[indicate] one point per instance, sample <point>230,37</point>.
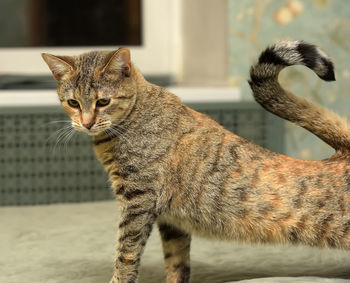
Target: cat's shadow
<point>89,271</point>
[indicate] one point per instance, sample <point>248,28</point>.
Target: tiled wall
<point>42,162</point>
<point>253,24</point>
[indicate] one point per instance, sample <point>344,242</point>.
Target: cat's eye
<point>102,102</point>
<point>73,103</point>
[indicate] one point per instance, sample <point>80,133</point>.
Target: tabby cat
<point>175,167</point>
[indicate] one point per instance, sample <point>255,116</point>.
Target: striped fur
<point>268,92</point>
<point>172,166</point>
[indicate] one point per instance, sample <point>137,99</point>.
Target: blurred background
<point>196,43</point>
<point>201,50</point>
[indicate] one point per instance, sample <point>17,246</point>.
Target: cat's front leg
<point>134,229</point>
<point>176,248</point>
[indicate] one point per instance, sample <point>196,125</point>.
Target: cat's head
<point>95,89</point>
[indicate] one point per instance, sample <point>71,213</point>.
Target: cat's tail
<point>268,92</point>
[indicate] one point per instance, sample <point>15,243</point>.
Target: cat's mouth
<point>92,131</point>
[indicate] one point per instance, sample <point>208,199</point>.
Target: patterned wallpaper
<point>253,24</point>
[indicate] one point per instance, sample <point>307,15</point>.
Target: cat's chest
<point>135,162</point>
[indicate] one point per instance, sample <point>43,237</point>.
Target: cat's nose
<point>88,125</point>
<point>87,119</point>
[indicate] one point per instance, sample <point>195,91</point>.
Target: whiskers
<point>61,136</point>
<point>126,131</point>
<point>118,130</point>
<point>115,127</point>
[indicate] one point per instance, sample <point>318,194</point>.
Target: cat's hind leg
<point>176,248</point>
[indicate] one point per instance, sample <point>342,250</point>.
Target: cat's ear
<point>59,65</point>
<point>118,61</point>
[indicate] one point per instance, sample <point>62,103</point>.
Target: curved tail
<point>268,92</point>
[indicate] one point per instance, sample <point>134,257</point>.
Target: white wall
<point>158,55</point>
<point>185,39</point>
<point>205,33</point>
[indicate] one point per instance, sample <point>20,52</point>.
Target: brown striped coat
<point>179,169</point>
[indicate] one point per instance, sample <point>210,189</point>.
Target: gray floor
<point>74,243</point>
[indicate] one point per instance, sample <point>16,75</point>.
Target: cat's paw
<point>114,279</point>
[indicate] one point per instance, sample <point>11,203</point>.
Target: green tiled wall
<point>35,169</point>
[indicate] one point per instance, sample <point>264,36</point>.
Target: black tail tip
<point>329,75</point>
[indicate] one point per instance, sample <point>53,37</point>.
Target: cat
<point>172,166</point>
